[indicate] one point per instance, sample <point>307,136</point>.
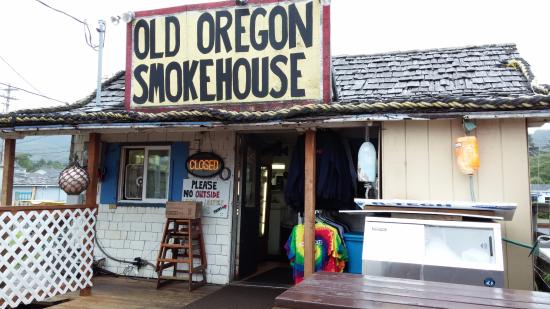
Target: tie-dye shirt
<point>330,251</point>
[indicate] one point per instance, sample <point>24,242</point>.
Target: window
<point>145,173</point>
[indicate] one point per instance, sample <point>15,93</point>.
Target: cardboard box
<point>183,210</point>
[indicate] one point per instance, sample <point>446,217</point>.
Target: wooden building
<point>414,103</point>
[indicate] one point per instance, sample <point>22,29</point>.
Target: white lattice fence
<point>44,252</point>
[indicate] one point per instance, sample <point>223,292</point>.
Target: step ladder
<point>184,240</point>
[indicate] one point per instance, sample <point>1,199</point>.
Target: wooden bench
<point>339,290</point>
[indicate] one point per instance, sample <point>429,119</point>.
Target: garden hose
<point>534,248</point>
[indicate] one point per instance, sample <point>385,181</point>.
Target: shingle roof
<point>540,187</point>
<point>44,177</point>
<point>476,78</point>
<point>476,71</point>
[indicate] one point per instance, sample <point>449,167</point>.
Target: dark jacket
<point>334,183</point>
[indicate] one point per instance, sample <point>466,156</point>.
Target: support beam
<point>91,192</point>
<point>7,177</point>
<point>309,203</point>
<point>93,168</point>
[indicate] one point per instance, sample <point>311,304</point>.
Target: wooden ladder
<point>184,239</point>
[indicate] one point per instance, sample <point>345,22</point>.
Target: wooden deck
<point>111,293</point>
<point>338,290</point>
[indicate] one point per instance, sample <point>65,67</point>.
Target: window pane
<point>158,165</point>
<point>136,156</point>
<point>133,174</point>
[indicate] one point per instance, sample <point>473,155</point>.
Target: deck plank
<point>441,287</point>
<point>118,293</point>
<point>314,300</point>
<point>369,291</point>
<point>338,290</point>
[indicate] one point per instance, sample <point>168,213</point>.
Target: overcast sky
<point>48,49</point>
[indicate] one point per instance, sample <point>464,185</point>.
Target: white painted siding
<point>127,232</point>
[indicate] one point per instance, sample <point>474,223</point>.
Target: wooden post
<point>91,192</point>
<point>7,176</point>
<point>309,203</point>
<point>93,168</point>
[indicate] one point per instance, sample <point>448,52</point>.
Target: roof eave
<point>304,122</point>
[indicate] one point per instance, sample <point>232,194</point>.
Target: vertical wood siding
<point>418,162</point>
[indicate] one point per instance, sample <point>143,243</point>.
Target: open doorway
<point>266,220</point>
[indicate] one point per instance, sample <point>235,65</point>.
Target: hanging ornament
<point>74,179</point>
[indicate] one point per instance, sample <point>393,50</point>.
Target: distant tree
<point>40,163</point>
<point>24,160</point>
<point>539,167</point>
<point>533,149</point>
<point>56,164</point>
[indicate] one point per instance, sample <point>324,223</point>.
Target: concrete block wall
<point>127,232</point>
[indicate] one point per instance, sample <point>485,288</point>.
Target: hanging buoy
<point>366,163</point>
<point>467,154</point>
<point>74,179</point>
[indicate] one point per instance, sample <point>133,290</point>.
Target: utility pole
<point>5,110</point>
<point>101,31</point>
<point>8,98</point>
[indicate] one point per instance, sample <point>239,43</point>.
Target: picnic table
<point>341,290</point>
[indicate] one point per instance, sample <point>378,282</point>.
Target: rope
<point>524,67</point>
<point>519,244</point>
<point>448,104</point>
<point>56,115</point>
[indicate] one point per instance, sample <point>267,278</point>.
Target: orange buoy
<point>467,154</point>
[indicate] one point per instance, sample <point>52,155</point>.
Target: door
<point>249,210</point>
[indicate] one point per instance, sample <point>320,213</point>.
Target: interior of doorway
<point>266,221</point>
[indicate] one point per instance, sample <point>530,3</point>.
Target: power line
<point>42,153</point>
<point>60,11</point>
<point>87,32</point>
<point>30,140</point>
<point>40,149</point>
<point>34,93</point>
<point>22,77</point>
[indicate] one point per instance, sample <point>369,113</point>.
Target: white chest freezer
<point>445,251</point>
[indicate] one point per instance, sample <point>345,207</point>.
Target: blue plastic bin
<point>354,244</point>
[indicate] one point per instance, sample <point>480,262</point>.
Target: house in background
<point>39,186</point>
<point>540,193</point>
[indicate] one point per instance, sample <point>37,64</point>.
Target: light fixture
<point>115,20</point>
<point>128,16</point>
<point>125,17</point>
<point>277,166</point>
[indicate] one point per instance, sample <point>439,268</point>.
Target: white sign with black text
<point>214,195</point>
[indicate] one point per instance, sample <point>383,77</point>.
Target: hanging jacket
<point>335,187</point>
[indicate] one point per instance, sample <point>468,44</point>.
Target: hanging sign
<point>204,164</point>
<point>265,51</point>
<point>214,195</point>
